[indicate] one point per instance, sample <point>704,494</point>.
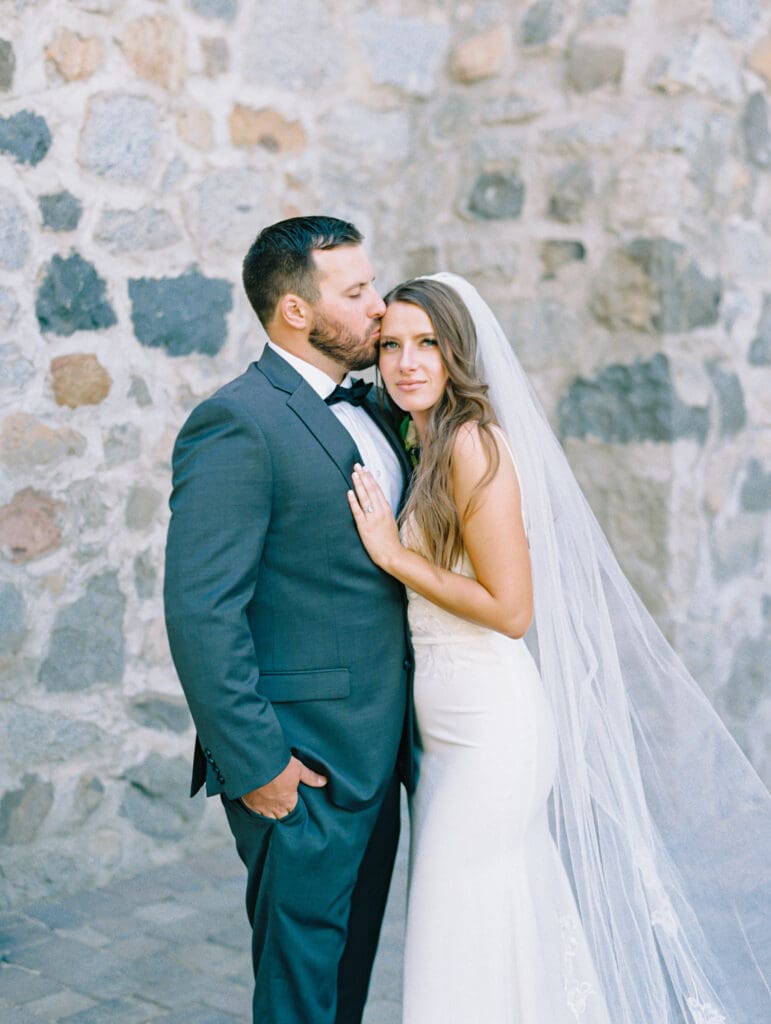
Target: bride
<point>588,843</point>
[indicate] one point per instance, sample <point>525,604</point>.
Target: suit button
<point>406,664</point>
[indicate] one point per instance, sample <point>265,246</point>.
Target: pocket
<point>296,812</point>
<point>317,684</point>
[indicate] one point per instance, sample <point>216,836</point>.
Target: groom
<point>290,644</point>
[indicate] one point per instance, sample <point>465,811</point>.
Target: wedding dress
<point>493,935</point>
<point>641,896</point>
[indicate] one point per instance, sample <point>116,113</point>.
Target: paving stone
<point>60,211</point>
<point>115,1011</point>
<point>18,931</point>
<point>60,1004</point>
<point>25,136</point>
<point>20,985</point>
<point>201,1017</point>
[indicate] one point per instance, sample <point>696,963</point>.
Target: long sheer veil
<point>662,824</point>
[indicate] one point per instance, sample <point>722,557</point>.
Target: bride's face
<point>410,361</point>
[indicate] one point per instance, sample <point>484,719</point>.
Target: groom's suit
<point>288,639</point>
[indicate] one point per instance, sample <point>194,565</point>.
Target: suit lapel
<point>317,417</point>
<point>372,405</point>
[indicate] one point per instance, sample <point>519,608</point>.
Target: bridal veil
<point>663,826</point>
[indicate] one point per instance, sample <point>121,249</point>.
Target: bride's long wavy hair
<point>431,505</point>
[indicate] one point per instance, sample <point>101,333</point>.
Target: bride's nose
<point>407,357</point>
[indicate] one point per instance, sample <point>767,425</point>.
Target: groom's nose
<point>377,306</point>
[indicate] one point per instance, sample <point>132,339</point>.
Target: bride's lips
<point>409,385</point>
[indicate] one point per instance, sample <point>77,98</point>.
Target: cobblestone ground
<point>170,946</point>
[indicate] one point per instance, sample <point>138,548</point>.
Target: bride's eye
<point>387,343</point>
<point>429,342</point>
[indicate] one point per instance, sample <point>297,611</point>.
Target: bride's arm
<point>501,596</point>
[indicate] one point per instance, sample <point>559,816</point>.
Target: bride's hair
<point>431,505</point>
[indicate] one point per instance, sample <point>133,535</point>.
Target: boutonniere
<point>409,435</point>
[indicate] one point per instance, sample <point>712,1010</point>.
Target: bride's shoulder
<point>471,444</point>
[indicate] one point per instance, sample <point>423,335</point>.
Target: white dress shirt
<point>376,453</point>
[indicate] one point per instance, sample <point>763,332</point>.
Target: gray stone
<point>405,52</point>
<point>216,56</point>
<point>7,65</point>
<point>87,644</point>
<point>119,137</point>
<point>122,444</point>
<point>591,66</point>
<point>687,299</point>
<point>555,253</point>
<point>173,174</point>
<point>85,507</point>
<point>747,685</point>
<point>181,314</point>
<point>15,370</point>
<point>733,413</point>
<point>497,195</point>
<point>47,736</point>
<point>129,230</point>
<point>72,298</point>
<point>13,626</point>
<point>60,211</point>
<point>757,137</point>
<point>145,574</point>
<point>297,46</point>
<point>737,547</point>
<point>140,393</point>
<point>14,237</point>
<point>9,307</point>
<point>23,810</point>
<point>737,17</point>
<point>88,795</point>
<point>142,504</point>
<point>704,62</point>
<point>384,136</point>
<point>756,489</point>
<point>156,801</point>
<point>760,349</point>
<point>571,187</point>
<point>225,209</point>
<point>596,9</point>
<point>626,403</point>
<point>541,21</point>
<point>226,10</point>
<point>161,712</point>
<point>25,136</point>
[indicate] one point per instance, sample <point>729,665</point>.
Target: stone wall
<point>599,168</point>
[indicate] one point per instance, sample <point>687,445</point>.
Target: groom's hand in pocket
<point>278,797</point>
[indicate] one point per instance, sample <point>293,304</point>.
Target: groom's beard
<point>353,351</point>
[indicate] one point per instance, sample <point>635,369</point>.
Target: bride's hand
<point>374,518</point>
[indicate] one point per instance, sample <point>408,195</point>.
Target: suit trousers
<point>317,884</point>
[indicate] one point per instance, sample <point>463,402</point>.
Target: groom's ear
<point>295,312</point>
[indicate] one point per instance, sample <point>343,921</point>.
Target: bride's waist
<point>430,624</point>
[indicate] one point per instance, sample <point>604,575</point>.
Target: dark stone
<point>156,800</point>
<point>571,187</point>
<point>687,299</point>
<point>139,392</point>
<point>25,136</point>
<point>22,811</point>
<point>757,137</point>
<point>223,9</point>
<point>145,575</point>
<point>61,211</point>
<point>72,298</point>
<point>12,619</point>
<point>541,21</point>
<point>159,712</point>
<point>733,414</point>
<point>7,65</point>
<point>87,644</point>
<point>496,195</point>
<point>181,314</point>
<point>760,349</point>
<point>756,489</point>
<point>637,402</point>
<point>555,253</point>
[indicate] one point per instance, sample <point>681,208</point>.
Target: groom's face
<point>346,319</point>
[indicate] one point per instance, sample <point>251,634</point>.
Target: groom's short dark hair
<point>281,260</point>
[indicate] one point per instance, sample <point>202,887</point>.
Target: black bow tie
<point>355,394</point>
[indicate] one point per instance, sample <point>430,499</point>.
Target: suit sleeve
<point>220,511</point>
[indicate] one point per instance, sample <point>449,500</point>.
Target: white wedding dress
<point>493,936</point>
